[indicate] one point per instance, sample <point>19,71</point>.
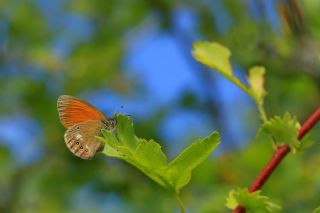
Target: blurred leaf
<point>256,82</point>
<point>213,55</point>
<point>217,57</point>
<point>256,89</point>
<point>317,210</point>
<point>252,202</point>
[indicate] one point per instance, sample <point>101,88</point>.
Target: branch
<point>309,123</point>
<point>277,157</point>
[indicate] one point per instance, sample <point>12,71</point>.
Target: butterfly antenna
<point>118,111</point>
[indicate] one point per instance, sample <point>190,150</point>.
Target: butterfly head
<point>109,124</point>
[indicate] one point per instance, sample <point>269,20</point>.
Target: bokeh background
<point>134,57</point>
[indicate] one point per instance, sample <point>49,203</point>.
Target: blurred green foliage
<point>33,75</point>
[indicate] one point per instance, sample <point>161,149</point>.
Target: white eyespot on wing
<point>78,137</point>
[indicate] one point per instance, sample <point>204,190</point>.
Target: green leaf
<point>179,170</point>
<point>125,132</point>
<point>109,144</point>
<point>213,55</point>
<point>112,147</point>
<point>150,155</point>
<point>252,202</point>
<point>283,130</point>
<point>256,88</point>
<point>149,158</point>
<point>216,56</point>
<point>256,82</point>
<point>317,210</point>
<point>109,138</point>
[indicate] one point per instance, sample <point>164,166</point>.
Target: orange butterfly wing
<point>73,111</point>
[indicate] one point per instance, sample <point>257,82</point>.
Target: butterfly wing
<point>73,111</point>
<point>81,141</point>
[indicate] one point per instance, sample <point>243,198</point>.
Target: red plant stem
<point>309,123</point>
<point>277,157</point>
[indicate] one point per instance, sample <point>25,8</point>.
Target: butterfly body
<point>83,122</point>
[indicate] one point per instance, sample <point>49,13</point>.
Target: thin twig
<point>277,157</point>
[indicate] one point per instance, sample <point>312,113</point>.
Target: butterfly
<point>83,122</point>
